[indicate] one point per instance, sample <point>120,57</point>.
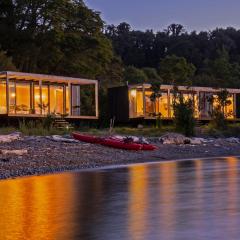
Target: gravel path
<point>46,156</point>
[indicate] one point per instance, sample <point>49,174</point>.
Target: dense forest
<point>67,38</point>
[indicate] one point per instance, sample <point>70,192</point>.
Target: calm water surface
<point>172,200</point>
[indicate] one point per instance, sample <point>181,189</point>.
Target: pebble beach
<point>41,155</point>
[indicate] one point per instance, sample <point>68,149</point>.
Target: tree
<point>134,75</point>
<point>152,75</point>
<point>54,36</point>
<point>176,70</point>
<point>184,114</point>
<point>6,63</point>
<point>221,100</point>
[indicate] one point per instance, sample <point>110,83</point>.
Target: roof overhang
<point>49,78</point>
<point>185,88</point>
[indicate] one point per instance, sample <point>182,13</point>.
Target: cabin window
<point>76,105</point>
<point>3,98</point>
<point>229,109</point>
<point>67,100</point>
<point>23,98</point>
<point>136,102</point>
<point>45,99</point>
<point>56,99</point>
<point>37,98</point>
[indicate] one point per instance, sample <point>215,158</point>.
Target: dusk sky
<point>158,14</point>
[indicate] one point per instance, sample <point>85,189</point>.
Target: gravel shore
<point>46,156</point>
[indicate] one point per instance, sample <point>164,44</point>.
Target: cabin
<point>133,102</point>
<point>36,95</point>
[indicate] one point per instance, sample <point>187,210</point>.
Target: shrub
<point>184,115</point>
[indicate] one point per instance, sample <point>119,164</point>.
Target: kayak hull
<point>113,142</point>
<point>86,138</point>
<point>121,145</point>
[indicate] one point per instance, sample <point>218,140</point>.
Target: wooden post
<point>235,105</point>
<point>96,99</point>
<point>169,104</point>
<point>64,99</point>
<point>70,98</point>
<point>7,93</point>
<point>40,93</point>
<point>144,101</point>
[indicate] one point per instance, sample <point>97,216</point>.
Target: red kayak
<point>114,142</point>
<point>86,138</point>
<point>121,144</point>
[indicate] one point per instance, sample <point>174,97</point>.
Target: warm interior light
<point>13,95</point>
<point>43,96</point>
<point>133,93</point>
<point>37,96</point>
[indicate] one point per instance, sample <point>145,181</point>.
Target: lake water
<point>173,200</point>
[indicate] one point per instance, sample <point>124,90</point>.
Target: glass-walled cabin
<point>25,94</point>
<point>142,106</point>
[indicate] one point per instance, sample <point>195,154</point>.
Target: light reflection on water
<point>173,200</point>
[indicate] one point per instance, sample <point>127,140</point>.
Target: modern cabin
<point>134,102</point>
<point>35,95</point>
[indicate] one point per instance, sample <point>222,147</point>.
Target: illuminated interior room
<point>36,95</point>
<point>134,102</point>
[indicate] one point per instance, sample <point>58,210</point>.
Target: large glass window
<point>12,98</point>
<point>76,111</point>
<point>136,103</point>
<point>67,100</point>
<point>37,99</point>
<point>3,99</point>
<point>162,105</point>
<point>45,99</point>
<point>56,99</point>
<point>229,109</point>
<point>23,98</point>
<point>149,104</point>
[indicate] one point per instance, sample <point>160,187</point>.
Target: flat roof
<point>186,88</point>
<point>44,77</point>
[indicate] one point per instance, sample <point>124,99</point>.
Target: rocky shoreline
<point>43,155</point>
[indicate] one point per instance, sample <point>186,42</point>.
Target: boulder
<point>233,140</point>
<point>10,137</point>
<point>176,138</point>
<point>196,141</point>
<point>173,138</point>
<point>57,138</point>
<point>14,152</point>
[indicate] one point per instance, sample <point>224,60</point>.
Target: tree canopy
<point>54,36</point>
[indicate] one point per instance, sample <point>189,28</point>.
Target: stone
<point>57,138</point>
<point>14,152</point>
<point>173,138</point>
<point>233,140</point>
<point>196,141</point>
<point>140,126</point>
<point>10,137</point>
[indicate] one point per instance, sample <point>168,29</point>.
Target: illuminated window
<point>3,100</point>
<point>56,99</point>
<point>23,98</point>
<point>12,98</point>
<point>37,99</point>
<point>162,105</point>
<point>45,100</point>
<point>67,100</point>
<point>149,104</point>
<point>76,111</point>
<point>229,111</point>
<point>136,103</point>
